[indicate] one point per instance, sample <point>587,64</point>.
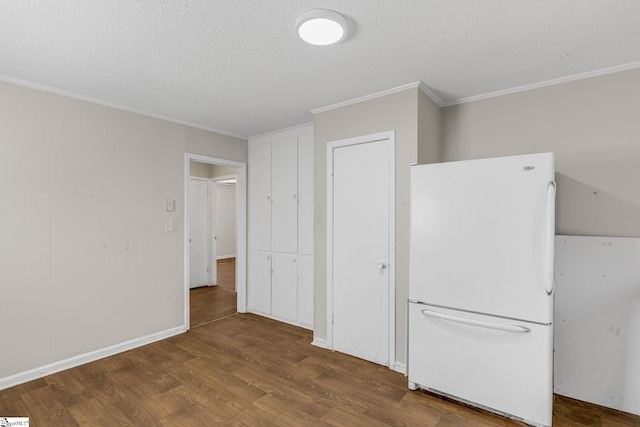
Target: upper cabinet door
<point>305,195</point>
<point>284,186</point>
<point>260,197</point>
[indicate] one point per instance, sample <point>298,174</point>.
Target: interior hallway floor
<point>210,303</point>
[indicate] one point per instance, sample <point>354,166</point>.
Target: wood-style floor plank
<point>210,303</point>
<point>252,371</point>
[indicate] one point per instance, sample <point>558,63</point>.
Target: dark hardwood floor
<point>211,303</point>
<point>243,369</point>
<point>249,370</point>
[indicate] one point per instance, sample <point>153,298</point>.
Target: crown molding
<point>105,103</point>
<point>413,85</point>
<point>294,130</point>
<point>546,83</point>
<point>431,94</point>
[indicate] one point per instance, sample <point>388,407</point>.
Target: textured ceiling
<point>237,66</point>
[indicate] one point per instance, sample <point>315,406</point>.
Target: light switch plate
<point>171,205</point>
<point>168,225</point>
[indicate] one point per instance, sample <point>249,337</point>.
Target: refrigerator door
<point>499,364</point>
<point>482,236</point>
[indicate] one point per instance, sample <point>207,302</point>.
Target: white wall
<point>591,125</point>
<point>225,221</point>
<point>199,170</point>
<point>85,262</point>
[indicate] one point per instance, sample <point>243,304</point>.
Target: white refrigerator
<point>480,318</point>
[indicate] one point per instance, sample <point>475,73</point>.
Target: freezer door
<point>482,236</point>
<point>499,364</point>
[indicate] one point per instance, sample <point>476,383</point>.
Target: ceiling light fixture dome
<point>321,27</point>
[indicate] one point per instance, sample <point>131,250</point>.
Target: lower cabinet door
<point>284,286</point>
<point>305,290</point>
<point>503,365</point>
<point>259,282</point>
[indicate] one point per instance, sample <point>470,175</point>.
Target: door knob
<point>382,265</point>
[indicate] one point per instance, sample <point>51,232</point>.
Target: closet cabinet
<point>284,191</point>
<point>280,205</point>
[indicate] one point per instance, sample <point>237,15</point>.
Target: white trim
<point>219,257</point>
<point>187,190</point>
<point>222,178</point>
<point>366,97</point>
<point>292,131</point>
<point>212,224</point>
<point>388,135</point>
<point>319,342</point>
<point>427,91</point>
<point>72,362</point>
<point>399,367</point>
<point>281,319</point>
<point>546,83</point>
<point>241,227</point>
<point>105,103</point>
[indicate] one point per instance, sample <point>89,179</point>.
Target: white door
<point>495,217</point>
<point>360,261</point>
<point>284,286</point>
<point>305,195</point>
<point>198,233</point>
<point>284,188</point>
<point>305,290</point>
<point>260,197</point>
<point>212,232</point>
<point>260,273</point>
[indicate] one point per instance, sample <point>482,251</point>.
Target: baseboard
<point>72,362</point>
<point>281,319</point>
<point>225,256</point>
<point>399,367</point>
<point>320,342</point>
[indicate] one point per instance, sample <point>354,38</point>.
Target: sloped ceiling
<point>237,67</point>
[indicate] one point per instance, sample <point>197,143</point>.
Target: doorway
<point>215,236</point>
<point>202,232</point>
<point>361,247</point>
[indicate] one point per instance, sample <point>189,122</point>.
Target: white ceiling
<point>237,67</point>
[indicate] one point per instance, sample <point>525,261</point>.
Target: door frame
<point>331,146</point>
<point>241,227</point>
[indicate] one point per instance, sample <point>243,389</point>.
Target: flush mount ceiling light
<point>321,27</point>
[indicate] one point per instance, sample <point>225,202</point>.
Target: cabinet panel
<point>284,285</point>
<point>284,188</point>
<point>305,290</point>
<point>260,197</point>
<point>259,291</point>
<point>305,195</point>
<point>281,216</point>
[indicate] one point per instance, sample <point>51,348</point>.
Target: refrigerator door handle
<point>479,323</point>
<point>551,221</point>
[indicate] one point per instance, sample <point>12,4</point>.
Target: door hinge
<point>332,318</point>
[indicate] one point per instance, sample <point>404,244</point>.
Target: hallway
<point>210,303</point>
